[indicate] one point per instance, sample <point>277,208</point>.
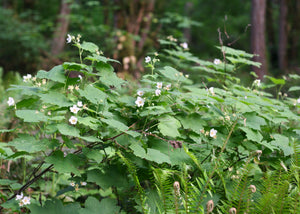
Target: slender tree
<point>258,43</point>
<point>283,37</point>
<point>61,30</point>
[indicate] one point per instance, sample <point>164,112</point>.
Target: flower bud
<point>232,210</point>
<point>252,188</point>
<point>210,206</point>
<point>176,186</point>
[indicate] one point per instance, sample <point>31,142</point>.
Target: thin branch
<point>216,165</point>
<point>25,186</point>
<point>37,177</point>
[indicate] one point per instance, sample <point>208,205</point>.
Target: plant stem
<point>216,165</point>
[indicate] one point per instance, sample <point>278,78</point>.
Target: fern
<point>133,172</point>
<point>164,183</point>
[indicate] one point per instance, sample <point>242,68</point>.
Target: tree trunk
<point>187,31</point>
<point>271,35</point>
<point>60,33</point>
<point>283,38</point>
<point>258,43</point>
<point>293,33</point>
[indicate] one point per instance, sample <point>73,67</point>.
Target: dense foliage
<point>86,140</point>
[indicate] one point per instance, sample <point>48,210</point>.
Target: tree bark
<point>258,43</point>
<point>283,37</point>
<point>60,33</point>
<point>187,31</point>
<point>271,35</point>
<point>293,34</point>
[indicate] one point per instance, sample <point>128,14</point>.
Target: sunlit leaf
<point>31,116</point>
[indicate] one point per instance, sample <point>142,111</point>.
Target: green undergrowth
<point>86,140</point>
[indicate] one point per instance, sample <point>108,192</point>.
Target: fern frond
<point>164,185</point>
<point>133,173</point>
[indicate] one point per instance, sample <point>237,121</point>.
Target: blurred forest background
<point>33,32</point>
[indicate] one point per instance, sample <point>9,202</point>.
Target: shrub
<point>87,142</point>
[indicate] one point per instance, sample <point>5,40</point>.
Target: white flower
<point>168,87</point>
<point>159,85</point>
<point>184,45</point>
<point>80,77</point>
<point>83,183</point>
<point>140,93</point>
<point>211,90</point>
<point>26,200</point>
<point>72,184</point>
<point>71,87</point>
<point>157,92</point>
<point>73,120</point>
<point>257,82</point>
<point>139,101</point>
<point>147,59</point>
<point>11,101</point>
<point>217,61</point>
<point>245,97</point>
<point>213,133</point>
<point>79,104</point>
<point>19,197</point>
<point>27,78</point>
<point>298,100</point>
<point>69,38</point>
<point>74,109</point>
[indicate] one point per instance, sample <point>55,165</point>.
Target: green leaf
<point>282,142</point>
<point>275,80</point>
<point>56,74</point>
<point>155,110</point>
<point>28,143</point>
<point>107,205</point>
<point>294,88</point>
<point>26,103</point>
<point>4,150</point>
<point>90,138</point>
<point>55,206</point>
<point>67,164</point>
<point>73,66</point>
<point>93,94</point>
<point>252,135</point>
<point>239,60</point>
<point>91,122</point>
<point>268,145</point>
<point>96,155</point>
<point>168,126</point>
<point>55,98</point>
<point>116,124</point>
<point>31,116</point>
<point>294,76</point>
<point>109,77</point>
<point>68,130</point>
<point>176,156</point>
<point>151,155</point>
<point>6,130</point>
<point>89,46</point>
<point>234,52</point>
<point>253,121</point>
<point>192,121</point>
<point>6,182</point>
<point>99,58</point>
<point>108,177</point>
<point>157,156</point>
<point>172,74</point>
